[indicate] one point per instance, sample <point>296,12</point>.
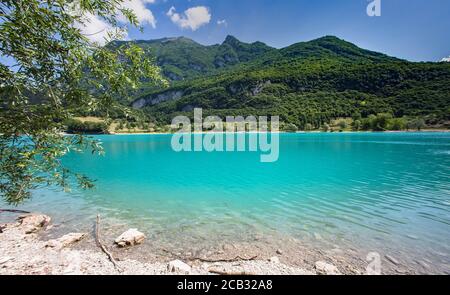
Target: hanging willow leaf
<point>49,70</point>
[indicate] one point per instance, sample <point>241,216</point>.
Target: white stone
<point>66,240</point>
<point>179,266</point>
<point>32,223</point>
<point>73,261</point>
<point>324,268</point>
<point>274,259</point>
<point>130,238</point>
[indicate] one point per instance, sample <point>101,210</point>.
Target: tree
<point>369,122</point>
<point>342,124</point>
<point>54,71</point>
<point>397,124</point>
<point>416,124</point>
<point>326,127</point>
<point>290,127</point>
<point>356,116</point>
<point>380,122</point>
<point>308,127</point>
<point>356,125</point>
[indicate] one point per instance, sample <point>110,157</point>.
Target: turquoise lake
<point>380,191</point>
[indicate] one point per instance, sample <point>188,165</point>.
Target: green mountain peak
<point>231,40</point>
<point>307,82</point>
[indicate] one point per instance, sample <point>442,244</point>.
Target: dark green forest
<point>307,84</point>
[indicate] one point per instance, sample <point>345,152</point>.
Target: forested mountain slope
<point>306,83</point>
<point>309,82</point>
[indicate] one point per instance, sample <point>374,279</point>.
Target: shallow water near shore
<point>382,192</point>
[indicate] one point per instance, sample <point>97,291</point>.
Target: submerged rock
<point>324,268</point>
<point>130,238</point>
<point>66,240</point>
<point>178,266</point>
<point>32,223</point>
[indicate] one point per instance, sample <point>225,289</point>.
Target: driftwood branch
<point>225,273</point>
<point>237,258</point>
<point>14,211</point>
<point>103,247</point>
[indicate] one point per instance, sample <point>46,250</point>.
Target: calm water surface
<point>384,192</point>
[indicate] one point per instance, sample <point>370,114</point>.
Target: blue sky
<point>416,30</point>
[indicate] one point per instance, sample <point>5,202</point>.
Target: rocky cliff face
<point>157,98</point>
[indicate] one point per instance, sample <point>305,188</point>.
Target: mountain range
<point>305,83</point>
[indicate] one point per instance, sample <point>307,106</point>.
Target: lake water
<point>386,192</point>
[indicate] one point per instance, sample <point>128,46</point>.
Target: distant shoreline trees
<point>379,122</point>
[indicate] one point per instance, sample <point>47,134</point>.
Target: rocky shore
<point>31,245</point>
<point>22,251</point>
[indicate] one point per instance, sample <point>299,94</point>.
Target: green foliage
<point>356,125</point>
<point>309,127</point>
<point>415,124</point>
<point>331,46</point>
<point>397,124</point>
<point>315,82</point>
<point>55,73</point>
<point>381,122</point>
<point>384,122</point>
<point>184,59</point>
<point>78,127</point>
<point>342,124</point>
<point>356,116</point>
<point>290,128</point>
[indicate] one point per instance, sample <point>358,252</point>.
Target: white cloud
<point>96,29</point>
<point>222,22</point>
<point>193,18</point>
<point>143,14</point>
<point>446,59</point>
